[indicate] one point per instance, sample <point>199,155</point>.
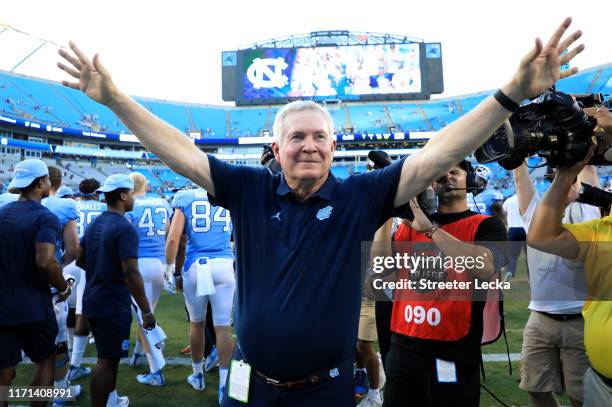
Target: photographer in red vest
<point>436,332</point>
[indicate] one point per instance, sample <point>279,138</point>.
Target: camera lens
<point>495,148</point>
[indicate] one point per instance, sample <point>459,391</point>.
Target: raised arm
<point>166,142</point>
<point>546,232</point>
<point>525,190</point>
<point>538,70</point>
<point>589,176</point>
<point>453,247</point>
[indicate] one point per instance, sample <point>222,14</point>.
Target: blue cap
<point>26,172</point>
<point>64,191</point>
<point>116,181</point>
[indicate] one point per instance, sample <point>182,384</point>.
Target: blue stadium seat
<point>407,117</point>
<point>174,113</point>
<point>440,113</point>
<point>368,118</point>
<point>50,102</point>
<point>246,122</point>
<point>211,120</point>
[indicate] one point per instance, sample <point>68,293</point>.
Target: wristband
<point>177,275</point>
<point>505,101</point>
<point>431,231</point>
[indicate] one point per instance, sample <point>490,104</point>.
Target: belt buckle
<point>272,381</point>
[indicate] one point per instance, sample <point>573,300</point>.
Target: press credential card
<point>447,372</point>
<point>239,381</point>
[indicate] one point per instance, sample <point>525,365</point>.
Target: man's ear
<point>276,151</point>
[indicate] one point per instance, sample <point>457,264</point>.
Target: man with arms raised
<point>295,267</point>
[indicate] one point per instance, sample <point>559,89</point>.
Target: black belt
<point>602,377</point>
<point>561,317</point>
<point>320,376</point>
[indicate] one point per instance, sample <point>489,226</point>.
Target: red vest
<point>430,314</point>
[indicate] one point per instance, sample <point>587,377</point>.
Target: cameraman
<point>553,357</point>
<point>587,242</point>
<point>422,353</point>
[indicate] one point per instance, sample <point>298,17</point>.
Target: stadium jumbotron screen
<point>355,72</point>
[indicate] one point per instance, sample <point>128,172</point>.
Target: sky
<point>172,49</point>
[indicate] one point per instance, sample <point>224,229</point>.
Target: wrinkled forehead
<point>306,121</point>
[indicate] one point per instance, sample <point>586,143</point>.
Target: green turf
<point>171,315</point>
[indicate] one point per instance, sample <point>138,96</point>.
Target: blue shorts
<point>112,335</point>
<point>337,392</point>
<point>36,339</point>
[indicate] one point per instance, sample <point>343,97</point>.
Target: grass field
<point>177,393</point>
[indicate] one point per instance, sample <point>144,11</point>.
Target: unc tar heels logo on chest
<point>334,373</point>
<point>324,213</point>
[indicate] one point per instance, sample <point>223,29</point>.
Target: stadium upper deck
<point>49,103</point>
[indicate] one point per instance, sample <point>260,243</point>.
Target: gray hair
<point>295,107</point>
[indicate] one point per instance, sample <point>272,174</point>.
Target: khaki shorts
<point>553,358</point>
<point>596,391</point>
<point>367,322</point>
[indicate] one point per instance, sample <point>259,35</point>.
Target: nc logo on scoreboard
<point>267,73</point>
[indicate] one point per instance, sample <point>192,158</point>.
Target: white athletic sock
<point>61,384</point>
<point>156,362</point>
<point>197,367</point>
<point>78,349</point>
<point>222,376</point>
<point>112,398</point>
<point>375,393</point>
<point>70,337</point>
<point>138,347</point>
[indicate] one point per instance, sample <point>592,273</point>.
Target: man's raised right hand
<point>93,79</point>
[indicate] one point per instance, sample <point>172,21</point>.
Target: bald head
<point>140,183</point>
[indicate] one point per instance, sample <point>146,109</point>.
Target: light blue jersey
<point>487,198</point>
<point>88,210</point>
<point>208,228</point>
<point>66,210</point>
<point>150,216</point>
<point>6,198</point>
